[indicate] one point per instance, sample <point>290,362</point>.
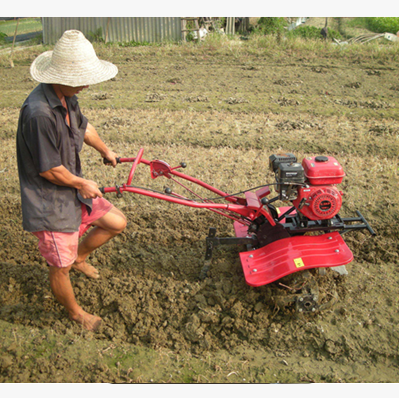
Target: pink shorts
<point>60,249</point>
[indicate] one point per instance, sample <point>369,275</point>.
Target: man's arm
<point>92,139</point>
<point>61,176</point>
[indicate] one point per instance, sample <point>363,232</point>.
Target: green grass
<point>376,24</point>
<point>25,25</point>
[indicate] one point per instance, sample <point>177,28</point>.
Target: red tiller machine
<point>305,234</point>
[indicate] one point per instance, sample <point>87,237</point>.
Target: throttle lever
<point>182,164</point>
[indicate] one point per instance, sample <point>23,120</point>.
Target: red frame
<point>239,209</point>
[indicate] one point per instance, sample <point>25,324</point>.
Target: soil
<point>224,115</point>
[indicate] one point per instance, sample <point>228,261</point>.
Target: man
<point>58,204</point>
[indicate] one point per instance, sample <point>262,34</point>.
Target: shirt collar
<point>52,98</point>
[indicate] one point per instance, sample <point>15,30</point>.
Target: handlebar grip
<point>102,190</point>
<point>106,161</point>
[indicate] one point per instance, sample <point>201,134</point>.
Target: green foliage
<point>376,24</point>
<point>96,36</point>
<point>383,24</point>
<point>219,23</point>
<point>2,38</point>
<point>312,32</point>
<point>334,34</point>
<point>136,44</point>
<point>359,22</point>
<point>306,32</point>
<point>271,25</point>
<point>190,36</point>
<point>222,22</point>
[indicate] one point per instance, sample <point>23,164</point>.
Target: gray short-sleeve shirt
<point>44,141</point>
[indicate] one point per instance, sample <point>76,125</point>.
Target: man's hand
<point>111,156</point>
<point>90,190</point>
<point>61,176</point>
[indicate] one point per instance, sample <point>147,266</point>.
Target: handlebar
<point>106,161</point>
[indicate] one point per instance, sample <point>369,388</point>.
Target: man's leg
<point>105,228</point>
<point>59,250</point>
<point>63,292</point>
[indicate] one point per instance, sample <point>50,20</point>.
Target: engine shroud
<point>318,202</point>
<point>320,199</point>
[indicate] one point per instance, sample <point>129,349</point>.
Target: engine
<point>310,185</point>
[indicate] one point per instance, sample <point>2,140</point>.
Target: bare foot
<point>88,321</point>
<point>87,269</point>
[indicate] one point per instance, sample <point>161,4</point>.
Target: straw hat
<point>73,63</point>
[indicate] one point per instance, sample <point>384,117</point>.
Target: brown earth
<point>223,114</point>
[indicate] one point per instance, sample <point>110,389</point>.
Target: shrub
<point>383,24</point>
<point>306,32</point>
<point>271,25</point>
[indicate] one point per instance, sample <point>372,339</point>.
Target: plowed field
<point>223,110</point>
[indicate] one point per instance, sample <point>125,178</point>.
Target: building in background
<point>120,29</point>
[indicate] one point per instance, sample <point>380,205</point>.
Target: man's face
<point>68,91</point>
